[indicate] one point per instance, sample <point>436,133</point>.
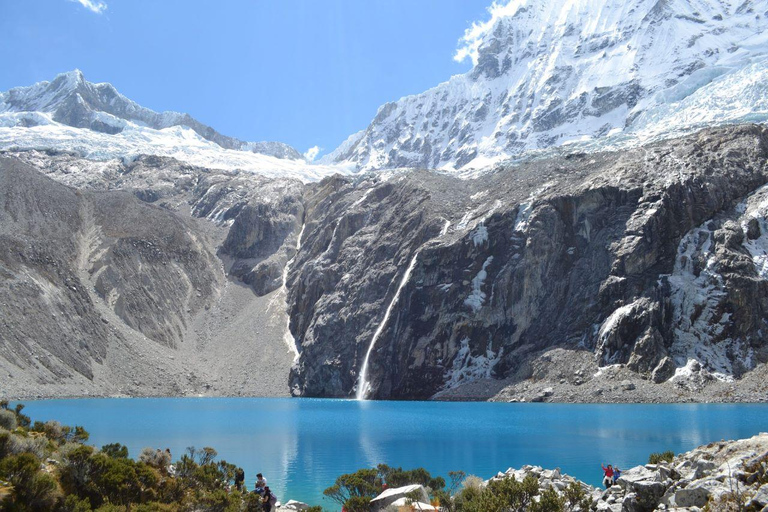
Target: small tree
<point>549,501</point>
<point>352,489</point>
<point>115,450</point>
<point>576,497</point>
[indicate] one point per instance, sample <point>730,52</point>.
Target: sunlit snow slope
<point>600,72</point>
<point>97,122</point>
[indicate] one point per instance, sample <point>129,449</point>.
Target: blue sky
<point>304,72</point>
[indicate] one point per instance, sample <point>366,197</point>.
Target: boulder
<point>648,494</point>
<point>631,503</point>
<point>400,504</point>
<point>388,497</point>
<point>294,505</point>
<point>663,371</point>
<point>760,499</point>
<point>636,474</point>
<point>691,497</point>
<point>627,385</point>
<point>702,468</point>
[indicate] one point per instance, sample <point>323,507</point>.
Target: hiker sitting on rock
<point>260,484</point>
<point>616,475</point>
<point>608,478</point>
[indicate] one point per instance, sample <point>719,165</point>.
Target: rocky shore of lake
<point>726,475</point>
<point>572,376</point>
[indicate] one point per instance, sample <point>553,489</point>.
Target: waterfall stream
<point>363,386</point>
<point>287,336</point>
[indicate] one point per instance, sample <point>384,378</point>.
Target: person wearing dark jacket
<point>268,500</point>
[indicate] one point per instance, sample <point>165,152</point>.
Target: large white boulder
<point>388,497</point>
<point>396,505</point>
<point>294,505</point>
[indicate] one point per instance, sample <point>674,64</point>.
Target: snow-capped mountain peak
<point>71,100</point>
<point>552,73</point>
<point>96,122</point>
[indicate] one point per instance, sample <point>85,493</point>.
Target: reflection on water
<point>302,445</point>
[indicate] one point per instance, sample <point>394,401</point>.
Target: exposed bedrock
<point>649,258</point>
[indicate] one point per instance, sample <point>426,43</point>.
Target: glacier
<point>588,74</point>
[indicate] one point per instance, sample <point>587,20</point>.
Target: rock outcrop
<point>728,475</point>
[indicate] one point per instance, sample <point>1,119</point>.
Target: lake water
<point>302,445</point>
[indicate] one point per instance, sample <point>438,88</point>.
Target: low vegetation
<point>657,458</point>
<point>354,492</point>
<point>48,466</point>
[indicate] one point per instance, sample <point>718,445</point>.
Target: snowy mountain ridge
<point>602,72</point>
<point>74,101</point>
<point>96,122</point>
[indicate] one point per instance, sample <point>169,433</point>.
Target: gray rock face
<point>51,232</point>
<point>439,283</point>
<point>115,286</point>
<point>74,101</point>
<point>577,251</point>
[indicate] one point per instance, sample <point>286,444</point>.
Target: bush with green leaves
<point>32,489</point>
<point>657,458</point>
<point>79,478</point>
<point>7,419</point>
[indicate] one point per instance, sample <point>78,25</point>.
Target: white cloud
<point>311,153</point>
<point>474,35</point>
<point>96,6</point>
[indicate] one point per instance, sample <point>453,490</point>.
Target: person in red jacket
<point>608,478</point>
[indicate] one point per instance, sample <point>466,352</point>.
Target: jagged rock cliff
<point>647,263</point>
<point>651,258</point>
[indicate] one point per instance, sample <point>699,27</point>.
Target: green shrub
<point>115,450</point>
<point>576,497</point>
<point>350,487</point>
<point>549,501</point>
<point>12,443</point>
<point>7,419</point>
<point>74,504</point>
<point>32,489</point>
<point>657,458</point>
<point>396,477</point>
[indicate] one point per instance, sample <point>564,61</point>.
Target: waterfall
<point>363,386</point>
<point>287,336</point>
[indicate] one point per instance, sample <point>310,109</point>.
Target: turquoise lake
<point>302,445</point>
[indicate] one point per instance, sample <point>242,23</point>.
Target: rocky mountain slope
<point>152,278</point>
<point>595,73</point>
<point>652,259</point>
<point>637,275</point>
